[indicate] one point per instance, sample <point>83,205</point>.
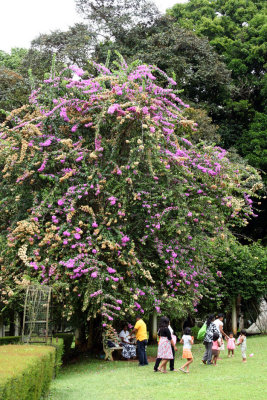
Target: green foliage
<point>67,341</point>
<point>194,332</point>
<point>59,345</point>
<point>13,61</point>
<point>113,19</point>
<point>237,31</point>
<point>9,340</point>
<point>239,270</point>
<point>252,145</point>
<point>25,371</point>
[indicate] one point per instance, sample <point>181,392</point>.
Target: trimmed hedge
<point>26,371</point>
<point>59,346</point>
<point>67,339</point>
<point>9,340</point>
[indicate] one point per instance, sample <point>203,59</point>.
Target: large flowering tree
<point>103,197</point>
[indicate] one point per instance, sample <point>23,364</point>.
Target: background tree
<point>112,19</point>
<point>237,31</point>
<point>70,47</point>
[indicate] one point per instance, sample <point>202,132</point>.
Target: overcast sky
<point>23,20</point>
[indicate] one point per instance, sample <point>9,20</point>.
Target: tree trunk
<point>17,324</point>
<point>2,332</point>
<point>154,327</point>
<point>234,317</point>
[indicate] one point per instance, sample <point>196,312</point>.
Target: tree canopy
<point>112,207</point>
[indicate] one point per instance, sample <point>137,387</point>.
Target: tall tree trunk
<point>234,317</point>
<point>154,327</point>
<point>2,333</point>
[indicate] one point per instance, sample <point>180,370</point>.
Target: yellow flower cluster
<point>25,227</point>
<point>24,146</point>
<point>22,253</point>
<point>67,176</point>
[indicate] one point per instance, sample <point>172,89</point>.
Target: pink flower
<point>94,225</point>
<point>111,270</point>
<point>189,214</point>
<point>113,108</point>
<point>112,200</point>
<point>94,274</point>
<point>119,301</point>
<point>60,202</point>
<point>77,236</point>
<point>94,251</point>
<point>78,71</point>
<point>66,233</point>
<point>74,128</point>
<point>125,239</point>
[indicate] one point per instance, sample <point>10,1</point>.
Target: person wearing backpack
<point>208,339</point>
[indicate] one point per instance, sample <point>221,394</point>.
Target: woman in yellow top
<point>141,338</point>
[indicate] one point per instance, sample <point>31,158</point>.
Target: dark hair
<point>231,333</point>
<point>138,317</point>
<point>216,336</point>
<point>210,319</point>
<point>220,315</point>
<point>163,322</point>
<point>243,332</point>
<point>187,331</point>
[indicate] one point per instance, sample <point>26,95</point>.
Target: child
<point>215,347</point>
<point>165,345</point>
<point>231,344</point>
<point>187,341</point>
<point>242,340</point>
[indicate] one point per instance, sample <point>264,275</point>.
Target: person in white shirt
<point>125,335</point>
<point>129,350</point>
<point>219,325</point>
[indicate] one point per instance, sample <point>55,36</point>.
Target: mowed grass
<point>15,359</point>
<point>121,380</point>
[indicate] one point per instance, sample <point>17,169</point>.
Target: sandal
<point>181,369</point>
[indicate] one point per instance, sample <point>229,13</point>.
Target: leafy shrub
<point>26,371</point>
<point>9,340</point>
<point>194,331</point>
<point>67,341</point>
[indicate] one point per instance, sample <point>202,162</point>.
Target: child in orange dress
<point>187,341</point>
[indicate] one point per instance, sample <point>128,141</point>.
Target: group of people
<point>135,340</point>
<point>213,342</point>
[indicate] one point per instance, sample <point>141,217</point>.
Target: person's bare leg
<point>189,361</point>
<point>163,365</point>
<point>215,358</point>
<point>229,353</point>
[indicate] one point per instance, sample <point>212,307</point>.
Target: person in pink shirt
<point>215,348</point>
<point>231,345</point>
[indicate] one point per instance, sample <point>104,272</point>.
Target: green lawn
<point>231,379</point>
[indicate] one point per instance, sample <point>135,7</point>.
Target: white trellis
<point>36,317</point>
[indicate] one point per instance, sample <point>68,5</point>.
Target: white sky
<point>21,21</point>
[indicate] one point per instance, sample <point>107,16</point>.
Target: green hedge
<point>26,371</point>
<point>9,340</point>
<point>59,346</point>
<point>67,339</point>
